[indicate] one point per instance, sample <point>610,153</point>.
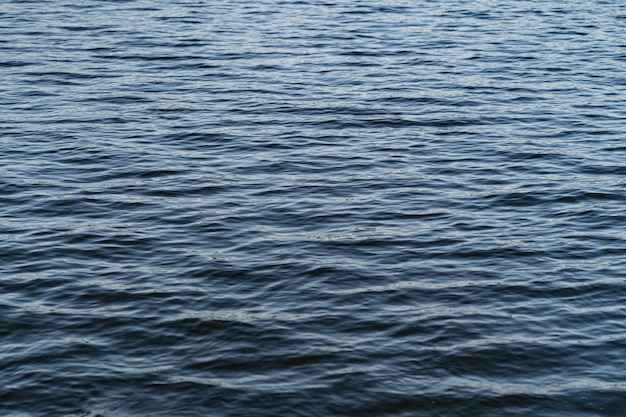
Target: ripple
<point>312,209</point>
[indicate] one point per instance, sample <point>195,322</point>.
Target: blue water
<point>312,208</point>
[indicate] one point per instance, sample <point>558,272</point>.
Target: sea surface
<point>312,208</point>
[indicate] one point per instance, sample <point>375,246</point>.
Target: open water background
<point>312,208</point>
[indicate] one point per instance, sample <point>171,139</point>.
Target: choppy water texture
<point>312,208</point>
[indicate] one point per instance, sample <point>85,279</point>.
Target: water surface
<point>312,208</point>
